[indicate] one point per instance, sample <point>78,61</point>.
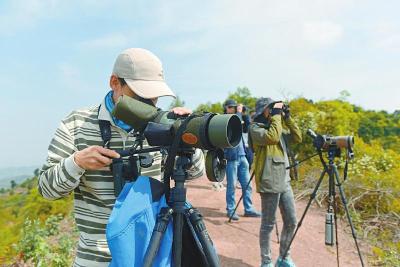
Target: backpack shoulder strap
<point>105,130</point>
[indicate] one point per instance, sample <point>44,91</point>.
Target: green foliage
<point>210,107</point>
<point>38,245</point>
<point>177,102</point>
<point>33,243</point>
<point>344,94</point>
<point>382,127</point>
<point>242,95</point>
<point>45,215</point>
<point>388,257</point>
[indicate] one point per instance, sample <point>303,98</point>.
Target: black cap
<point>261,104</point>
<point>230,103</point>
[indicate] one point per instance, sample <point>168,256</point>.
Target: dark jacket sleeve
<point>246,123</point>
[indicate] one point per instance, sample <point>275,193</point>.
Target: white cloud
<point>385,35</point>
<point>20,15</point>
<point>107,41</point>
<point>322,33</point>
<point>71,78</point>
<point>390,43</point>
<point>68,71</point>
<point>25,14</point>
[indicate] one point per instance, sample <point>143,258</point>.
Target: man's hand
<point>95,157</point>
<point>239,108</point>
<point>181,111</point>
<point>277,109</point>
<point>286,112</point>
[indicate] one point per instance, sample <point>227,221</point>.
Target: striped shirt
<point>93,190</point>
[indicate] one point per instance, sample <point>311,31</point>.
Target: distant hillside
<point>6,182</point>
<point>18,174</point>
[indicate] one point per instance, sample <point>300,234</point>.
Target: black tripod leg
<point>344,201</point>
<point>312,197</point>
<point>177,243</point>
<point>241,197</point>
<point>196,219</point>
<point>163,219</point>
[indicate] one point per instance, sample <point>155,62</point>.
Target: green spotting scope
<point>208,131</point>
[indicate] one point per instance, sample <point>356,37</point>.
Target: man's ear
<point>114,82</point>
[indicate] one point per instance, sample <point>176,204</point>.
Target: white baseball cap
<point>143,73</point>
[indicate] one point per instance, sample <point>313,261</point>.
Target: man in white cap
<point>80,154</point>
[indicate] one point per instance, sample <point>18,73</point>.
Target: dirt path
<point>237,242</point>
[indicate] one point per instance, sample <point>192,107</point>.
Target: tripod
<point>181,213</point>
<point>333,176</point>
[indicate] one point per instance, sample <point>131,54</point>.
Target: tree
<point>36,172</point>
<point>343,95</point>
<point>13,184</point>
<point>242,95</point>
<point>210,107</point>
<point>177,102</point>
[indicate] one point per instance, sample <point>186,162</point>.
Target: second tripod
<point>331,233</point>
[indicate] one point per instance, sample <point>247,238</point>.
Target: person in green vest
<point>272,121</point>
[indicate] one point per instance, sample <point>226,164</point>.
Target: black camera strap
<point>105,130</point>
<point>117,166</point>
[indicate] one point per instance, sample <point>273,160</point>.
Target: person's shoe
<point>252,213</point>
<point>218,186</point>
<point>221,187</point>
<point>267,264</point>
<point>215,187</point>
<point>287,262</point>
<point>235,217</point>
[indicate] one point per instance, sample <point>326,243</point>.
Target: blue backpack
<point>131,224</point>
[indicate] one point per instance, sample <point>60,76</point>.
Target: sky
<point>57,55</point>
